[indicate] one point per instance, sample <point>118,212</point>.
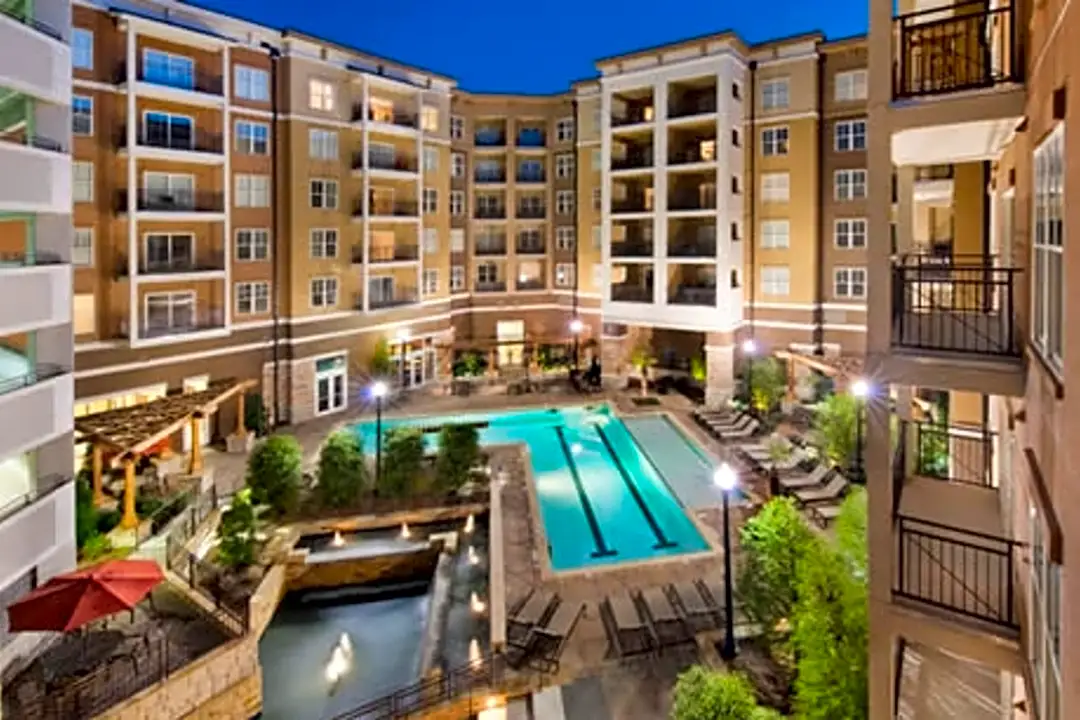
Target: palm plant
<point>641,358</point>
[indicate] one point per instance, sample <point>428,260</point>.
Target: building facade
<point>970,105</point>
<point>37,500</point>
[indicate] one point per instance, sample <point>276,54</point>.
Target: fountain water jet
<point>338,541</point>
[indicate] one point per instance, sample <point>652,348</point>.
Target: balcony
<point>636,204</point>
<point>22,36</point>
<point>692,246</point>
<point>529,245</point>
<point>180,203</point>
<point>530,283</point>
<point>632,247</point>
<point>950,49</point>
<point>153,141</point>
<point>489,139</point>
<point>704,295</point>
<point>490,286</point>
<point>490,245</point>
<point>490,213</point>
<point>529,176</point>
<point>631,292</point>
<point>489,177</point>
<point>200,82</point>
<point>398,298</point>
<point>35,407</point>
<point>691,104</point>
<point>43,487</point>
<point>532,138</point>
<point>389,208</point>
<point>207,262</point>
<point>954,453</point>
<point>632,116</point>
<point>959,304</point>
<point>399,252</point>
<point>43,180</point>
<point>694,200</point>
<point>392,163</point>
<point>202,321</point>
<point>633,161</point>
<point>530,212</point>
<point>395,117</point>
<point>44,296</point>
<point>690,155</point>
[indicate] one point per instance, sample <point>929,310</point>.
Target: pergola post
<point>241,430</point>
<point>195,459</point>
<point>97,471</point>
<point>129,520</point>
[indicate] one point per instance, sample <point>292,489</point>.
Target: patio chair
<point>668,626</point>
<point>745,430</point>
<point>737,422</point>
<point>814,479</point>
<point>699,614</point>
<point>830,492</point>
<point>823,514</point>
<point>535,609</point>
<point>545,643</point>
<point>742,624</point>
<point>627,632</point>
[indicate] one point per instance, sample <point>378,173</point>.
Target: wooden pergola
<point>841,368</point>
<point>132,431</point>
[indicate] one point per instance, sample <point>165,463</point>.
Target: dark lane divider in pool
<point>602,550</point>
<point>661,539</point>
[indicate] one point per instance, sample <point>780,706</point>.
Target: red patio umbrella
<point>69,601</point>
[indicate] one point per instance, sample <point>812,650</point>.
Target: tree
<point>255,418</point>
<point>704,694</point>
<point>402,461</point>
<point>834,428</point>
<point>769,384</point>
<point>236,531</point>
<point>459,452</point>
<point>775,544</point>
<point>830,639</point>
<point>86,515</point>
<point>851,527</point>
<point>380,364</point>
<point>343,474</point>
<point>641,358</point>
<point>274,473</point>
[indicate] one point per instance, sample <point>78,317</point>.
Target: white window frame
<point>430,281</point>
<point>564,237</point>
<point>82,34</point>
<point>1048,313</point>
<point>328,291</point>
<point>431,158</point>
<point>89,116</point>
<point>564,202</point>
<point>457,165</point>
<point>429,118</point>
<point>182,297</point>
<point>172,237</point>
<point>564,129</point>
<point>775,234</point>
<point>851,85</point>
<point>251,146</point>
<point>775,93</point>
<point>323,243</point>
<point>257,241</point>
<point>245,86</point>
<point>323,193</point>
<point>457,278</point>
<point>850,135</point>
<point>323,144</point>
<point>457,203</point>
<point>253,304</point>
<point>564,165</point>
<point>844,282</point>
<point>845,183</point>
<point>251,198</point>
<point>170,116</point>
<point>849,233</point>
<point>321,95</point>
<point>564,275</point>
<point>82,255</point>
<point>775,280</point>
<point>457,127</point>
<point>779,192</point>
<point>430,200</point>
<point>77,167</point>
<point>775,140</point>
<point>483,270</point>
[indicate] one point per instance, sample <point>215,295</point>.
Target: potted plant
<point>642,360</point>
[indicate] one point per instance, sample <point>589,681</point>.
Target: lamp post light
<point>576,326</point>
<point>861,390</point>
<point>378,391</point>
<point>749,348</point>
<point>726,479</point>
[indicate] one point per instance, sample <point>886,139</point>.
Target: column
<point>96,469</point>
<point>129,520</point>
<point>195,461</point>
<point>241,430</point>
<point>131,60</point>
<point>905,209</point>
<point>719,370</point>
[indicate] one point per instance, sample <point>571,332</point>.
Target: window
<point>774,141</point>
<point>1044,622</point>
<point>320,95</point>
<point>457,127</point>
<point>457,240</point>
<point>431,281</point>
<point>736,139</point>
<point>850,135</point>
<point>252,191</point>
<point>431,240</point>
<point>775,280</point>
<point>429,119</point>
<point>849,282</point>
<point>457,278</point>
<point>1048,248</point>
<point>736,231</point>
<point>564,165</point>
<point>598,198</point>
<point>323,243</point>
<point>457,165</point>
<point>775,234</point>
<point>168,190</point>
<point>850,233</point>
<point>252,138</point>
<point>324,292</point>
<point>82,115</point>
<point>169,311</point>
<point>564,237</point>
<point>775,187</point>
<point>252,298</point>
<point>431,159</point>
<point>82,181</point>
<point>82,49</point>
<point>597,237</point>
<point>564,130</point>
<point>564,275</point>
<point>165,252</point>
<point>774,94</point>
<point>251,83</point>
<point>252,244</point>
<point>331,377</point>
<point>597,159</point>
<point>487,273</point>
<point>164,68</point>
<point>850,184</point>
<point>457,202</point>
<point>431,200</point>
<point>736,91</point>
<point>324,194</point>
<point>169,131</point>
<point>322,144</point>
<point>564,202</point>
<point>851,85</point>
<point>82,249</point>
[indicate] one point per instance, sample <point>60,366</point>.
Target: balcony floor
<point>937,685</point>
<point>966,507</point>
<point>979,333</point>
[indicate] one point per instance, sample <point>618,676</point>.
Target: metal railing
<point>472,681</point>
<point>492,287</point>
<point>693,295</point>
<point>529,246</point>
<point>531,140</point>
<point>490,213</point>
<point>632,247</point>
<point>631,293</point>
<point>955,453</point>
<point>692,201</point>
<point>955,47</point>
<point>529,177</point>
<point>958,570</point>
<point>531,212</point>
<point>37,374</point>
<point>43,487</point>
<point>204,578</point>
<point>400,163</point>
<point>203,262</point>
<point>689,155</point>
<point>692,247</point>
<point>395,253</point>
<point>481,177</point>
<point>489,139</point>
<point>690,106</point>
<point>197,322</point>
<point>632,116</point>
<point>536,283</point>
<point>934,172</point>
<point>630,205</point>
<point>179,201</point>
<point>401,119</point>
<point>963,304</point>
<point>160,137</point>
<point>632,161</point>
<point>27,19</point>
<point>400,296</point>
<point>200,82</point>
<point>383,208</point>
<point>489,245</point>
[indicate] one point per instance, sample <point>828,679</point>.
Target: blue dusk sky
<point>539,46</point>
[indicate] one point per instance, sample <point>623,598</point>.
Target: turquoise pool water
<point>601,499</point>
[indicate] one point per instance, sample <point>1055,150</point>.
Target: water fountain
<point>474,652</point>
<point>338,541</point>
<point>476,604</point>
<point>405,532</point>
<point>340,661</point>
<point>474,557</point>
<point>470,524</point>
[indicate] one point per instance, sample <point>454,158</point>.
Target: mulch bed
<point>772,680</point>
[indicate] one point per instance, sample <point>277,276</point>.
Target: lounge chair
<point>699,614</point>
<point>535,609</point>
<point>823,514</point>
<point>627,632</point>
<point>544,645</point>
<point>814,479</point>
<point>744,430</point>
<point>831,491</point>
<point>714,596</point>
<point>668,626</point>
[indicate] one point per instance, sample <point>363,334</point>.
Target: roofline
<point>295,32</point>
<point>670,44</point>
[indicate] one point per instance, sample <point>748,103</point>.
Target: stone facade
<point>720,374</point>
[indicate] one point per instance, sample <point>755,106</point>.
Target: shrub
<point>380,364</point>
<point>552,357</point>
<point>86,515</point>
<point>96,548</point>
<point>767,379</point>
<point>459,452</point>
<point>703,694</point>
<point>641,359</point>
<point>343,475</point>
<point>255,418</point>
<point>470,363</point>
<point>698,369</point>
<point>834,428</point>
<point>274,473</point>
<point>402,461</point>
<point>107,520</point>
<point>236,531</point>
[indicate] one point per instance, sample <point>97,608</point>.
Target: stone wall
<point>302,396</point>
<point>284,369</point>
<point>397,567</point>
<point>720,374</point>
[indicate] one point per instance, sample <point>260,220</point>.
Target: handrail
<point>970,452</point>
<point>45,486</point>
<point>37,374</point>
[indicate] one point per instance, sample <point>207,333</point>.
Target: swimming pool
<point>602,501</point>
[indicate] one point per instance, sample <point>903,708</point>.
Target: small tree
<point>704,694</point>
<point>402,461</point>
<point>769,384</point>
<point>469,364</point>
<point>851,528</point>
<point>236,532</point>
<point>343,472</point>
<point>459,452</point>
<point>255,418</point>
<point>86,515</point>
<point>641,358</point>
<point>834,428</point>
<point>380,364</point>
<point>698,369</point>
<point>274,473</point>
<point>775,543</point>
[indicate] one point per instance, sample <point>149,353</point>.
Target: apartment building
<point>970,104</point>
<point>37,523</point>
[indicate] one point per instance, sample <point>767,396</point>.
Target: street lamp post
<point>378,391</point>
<point>749,348</point>
<point>726,479</point>
<point>576,326</point>
<point>861,390</point>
